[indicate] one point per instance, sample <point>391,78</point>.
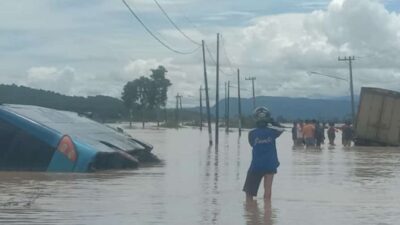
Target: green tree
<point>129,97</point>
<point>159,90</point>
<point>145,93</point>
<point>136,96</point>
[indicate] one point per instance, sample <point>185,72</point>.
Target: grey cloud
<point>279,49</point>
<point>98,41</point>
<point>50,78</point>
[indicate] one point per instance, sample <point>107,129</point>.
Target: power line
<point>154,36</point>
<point>174,24</point>
<point>326,75</point>
<point>208,50</point>
<point>213,60</point>
<point>226,55</point>
<point>210,54</point>
<point>194,26</point>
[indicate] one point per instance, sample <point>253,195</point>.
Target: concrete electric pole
<point>254,94</point>
<point>350,59</point>
<point>217,98</point>
<point>207,96</point>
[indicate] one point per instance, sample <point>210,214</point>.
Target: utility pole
<point>217,98</point>
<point>207,96</point>
<point>254,93</point>
<point>166,114</point>
<point>228,107</point>
<point>226,104</point>
<point>178,102</point>
<point>350,59</point>
<point>239,104</point>
<point>180,110</point>
<point>201,108</point>
<point>177,109</point>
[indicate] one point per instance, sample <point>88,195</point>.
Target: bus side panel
<point>86,155</point>
<point>60,163</point>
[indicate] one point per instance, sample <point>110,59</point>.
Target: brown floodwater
<point>200,185</point>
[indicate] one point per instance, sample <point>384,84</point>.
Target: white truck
<point>378,118</point>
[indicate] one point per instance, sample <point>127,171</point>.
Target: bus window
<point>23,151</point>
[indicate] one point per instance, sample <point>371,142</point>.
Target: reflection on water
<point>198,184</point>
<point>256,215</point>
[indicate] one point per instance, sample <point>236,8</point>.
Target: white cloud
<point>98,40</point>
<point>51,78</point>
<point>279,49</point>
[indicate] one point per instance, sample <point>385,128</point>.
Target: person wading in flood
<point>294,133</point>
<point>300,138</point>
<point>347,134</point>
<point>319,134</point>
<point>309,134</point>
<point>264,161</point>
<point>332,133</point>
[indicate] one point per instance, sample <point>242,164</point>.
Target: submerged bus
<point>34,138</point>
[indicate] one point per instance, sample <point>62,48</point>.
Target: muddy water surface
<point>199,185</point>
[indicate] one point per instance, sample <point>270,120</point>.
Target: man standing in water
<point>319,134</point>
<point>294,133</point>
<point>264,161</point>
<point>332,133</point>
<point>347,134</point>
<point>309,134</point>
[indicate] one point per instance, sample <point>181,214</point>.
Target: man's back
<point>308,131</point>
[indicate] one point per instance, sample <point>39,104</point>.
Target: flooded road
<point>199,185</point>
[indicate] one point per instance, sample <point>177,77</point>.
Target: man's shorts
<point>310,141</point>
<point>253,180</point>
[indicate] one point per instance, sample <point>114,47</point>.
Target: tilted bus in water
<point>378,119</point>
<point>34,138</point>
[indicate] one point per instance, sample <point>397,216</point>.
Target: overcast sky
<point>94,47</point>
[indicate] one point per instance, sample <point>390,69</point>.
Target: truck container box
<point>378,117</point>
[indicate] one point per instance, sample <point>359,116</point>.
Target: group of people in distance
<point>311,133</point>
<point>262,139</point>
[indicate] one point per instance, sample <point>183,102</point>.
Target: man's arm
<point>250,138</point>
<point>277,130</point>
<point>277,124</point>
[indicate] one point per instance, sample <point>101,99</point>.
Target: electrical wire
<point>194,26</point>
<point>154,36</point>
<point>210,54</point>
<point>226,55</point>
<point>213,60</point>
<point>197,43</point>
<point>174,24</point>
<point>326,75</point>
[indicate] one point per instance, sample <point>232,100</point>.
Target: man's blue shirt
<point>265,158</point>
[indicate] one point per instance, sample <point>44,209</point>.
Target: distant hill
<point>108,108</point>
<point>292,108</point>
<point>102,107</point>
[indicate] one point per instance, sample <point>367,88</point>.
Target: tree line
<point>101,108</point>
<point>146,94</point>
<point>143,99</point>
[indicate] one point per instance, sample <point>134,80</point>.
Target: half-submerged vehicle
<point>34,138</point>
<point>378,119</point>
